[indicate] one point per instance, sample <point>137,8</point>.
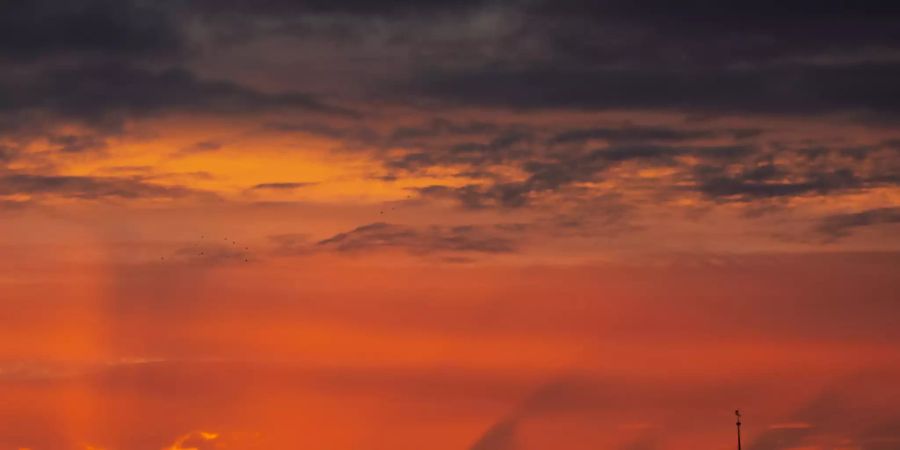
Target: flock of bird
<point>202,250</point>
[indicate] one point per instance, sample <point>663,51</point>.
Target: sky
<point>449,225</point>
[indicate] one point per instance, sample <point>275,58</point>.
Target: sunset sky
<point>449,225</point>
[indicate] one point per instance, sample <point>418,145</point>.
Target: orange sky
<point>277,291</point>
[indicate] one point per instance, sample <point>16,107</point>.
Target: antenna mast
<point>737,413</point>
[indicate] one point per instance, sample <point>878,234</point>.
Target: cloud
<point>703,32</point>
<point>447,243</point>
<point>348,134</point>
<point>422,241</point>
<point>798,89</point>
<point>88,187</point>
<point>71,143</point>
<point>501,436</point>
<point>30,29</point>
<point>611,55</point>
<point>554,171</point>
<point>13,205</point>
<point>790,426</point>
<point>109,92</point>
<point>565,395</point>
<point>630,133</point>
<point>768,182</point>
<point>842,225</point>
<point>287,8</point>
<point>7,154</point>
<point>856,409</point>
<point>283,186</point>
<point>600,55</point>
<point>442,127</point>
<point>645,441</point>
<point>199,147</point>
<point>500,149</point>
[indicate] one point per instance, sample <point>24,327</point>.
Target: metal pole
<point>737,413</point>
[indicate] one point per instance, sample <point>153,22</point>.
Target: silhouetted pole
<point>737,413</point>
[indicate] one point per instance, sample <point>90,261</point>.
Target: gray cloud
<point>798,89</point>
<point>31,29</point>
<point>630,133</point>
<point>7,154</point>
<point>765,57</point>
<point>448,243</point>
<point>501,436</point>
<point>87,187</point>
<point>102,62</point>
<point>199,147</point>
<point>771,181</point>
<point>552,171</point>
<point>842,225</point>
<point>423,241</point>
<point>68,143</point>
<point>283,186</point>
<point>105,92</point>
<point>858,409</point>
<point>722,164</point>
<point>287,8</point>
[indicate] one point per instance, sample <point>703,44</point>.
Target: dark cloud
<point>507,195</point>
<point>31,29</point>
<point>706,32</point>
<point>643,442</point>
<point>199,147</point>
<point>282,186</point>
<point>447,243</point>
<point>791,89</point>
<point>842,225</point>
<point>422,241</point>
<point>87,187</point>
<point>736,172</point>
<point>605,32</point>
<point>648,133</point>
<point>770,181</point>
<point>441,127</point>
<point>554,171</point>
<point>607,400</point>
<point>501,436</point>
<point>103,62</point>
<point>350,135</point>
<point>7,154</point>
<point>497,150</point>
<point>354,7</point>
<point>13,205</point>
<point>872,424</point>
<point>630,133</point>
<point>800,58</point>
<point>69,143</point>
<point>741,166</point>
<point>114,91</point>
